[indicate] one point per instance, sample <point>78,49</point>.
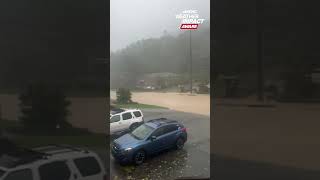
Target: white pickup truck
<point>127,119</point>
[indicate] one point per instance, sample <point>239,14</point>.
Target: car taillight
<point>184,129</point>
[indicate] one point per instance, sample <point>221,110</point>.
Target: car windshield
<point>142,131</point>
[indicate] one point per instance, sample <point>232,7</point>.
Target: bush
<point>44,109</point>
<point>123,96</point>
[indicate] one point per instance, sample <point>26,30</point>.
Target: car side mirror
<point>152,138</point>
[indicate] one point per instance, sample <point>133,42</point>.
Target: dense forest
<point>167,53</point>
<point>60,41</point>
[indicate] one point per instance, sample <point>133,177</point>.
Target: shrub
<point>123,96</point>
<point>44,109</point>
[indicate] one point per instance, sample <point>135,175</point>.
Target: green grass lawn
<point>139,106</point>
<point>29,141</point>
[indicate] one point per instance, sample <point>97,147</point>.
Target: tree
<point>44,108</point>
<point>123,96</point>
<point>165,54</point>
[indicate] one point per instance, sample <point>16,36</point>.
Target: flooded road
<point>196,103</point>
<point>192,160</point>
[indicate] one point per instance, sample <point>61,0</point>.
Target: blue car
<point>147,139</point>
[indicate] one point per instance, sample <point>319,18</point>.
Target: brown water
<point>197,103</point>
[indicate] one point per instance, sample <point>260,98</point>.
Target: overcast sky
<point>132,20</point>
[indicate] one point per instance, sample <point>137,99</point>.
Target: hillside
<point>165,54</point>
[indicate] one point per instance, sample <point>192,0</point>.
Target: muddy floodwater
<point>196,103</point>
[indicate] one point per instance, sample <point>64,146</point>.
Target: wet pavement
<point>193,160</point>
<point>227,168</point>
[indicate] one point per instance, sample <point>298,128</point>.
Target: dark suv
<point>149,138</point>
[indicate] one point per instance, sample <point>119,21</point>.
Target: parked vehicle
<point>149,138</point>
<point>125,120</point>
<point>56,162</point>
<point>116,111</point>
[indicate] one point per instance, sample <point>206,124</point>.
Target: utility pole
<point>190,51</point>
<point>259,28</point>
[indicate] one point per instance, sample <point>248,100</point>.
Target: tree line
<point>167,53</point>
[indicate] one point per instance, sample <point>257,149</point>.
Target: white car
<point>56,162</point>
<point>127,120</point>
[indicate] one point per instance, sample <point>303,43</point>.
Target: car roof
<point>120,111</point>
<point>116,111</point>
<point>156,123</point>
<point>25,157</point>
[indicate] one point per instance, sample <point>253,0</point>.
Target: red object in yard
<point>184,129</point>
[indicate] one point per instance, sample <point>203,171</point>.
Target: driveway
<point>193,160</point>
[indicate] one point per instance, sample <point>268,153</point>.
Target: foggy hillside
<point>165,54</point>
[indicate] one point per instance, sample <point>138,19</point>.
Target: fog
<point>132,20</point>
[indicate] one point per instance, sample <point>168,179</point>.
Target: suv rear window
<point>170,128</point>
<point>54,171</point>
<point>137,113</point>
<point>87,166</point>
<point>126,116</point>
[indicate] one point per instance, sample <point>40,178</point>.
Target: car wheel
<point>179,144</point>
<point>133,126</point>
<point>139,157</point>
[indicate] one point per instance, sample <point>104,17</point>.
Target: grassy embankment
<point>139,106</point>
<point>86,140</point>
